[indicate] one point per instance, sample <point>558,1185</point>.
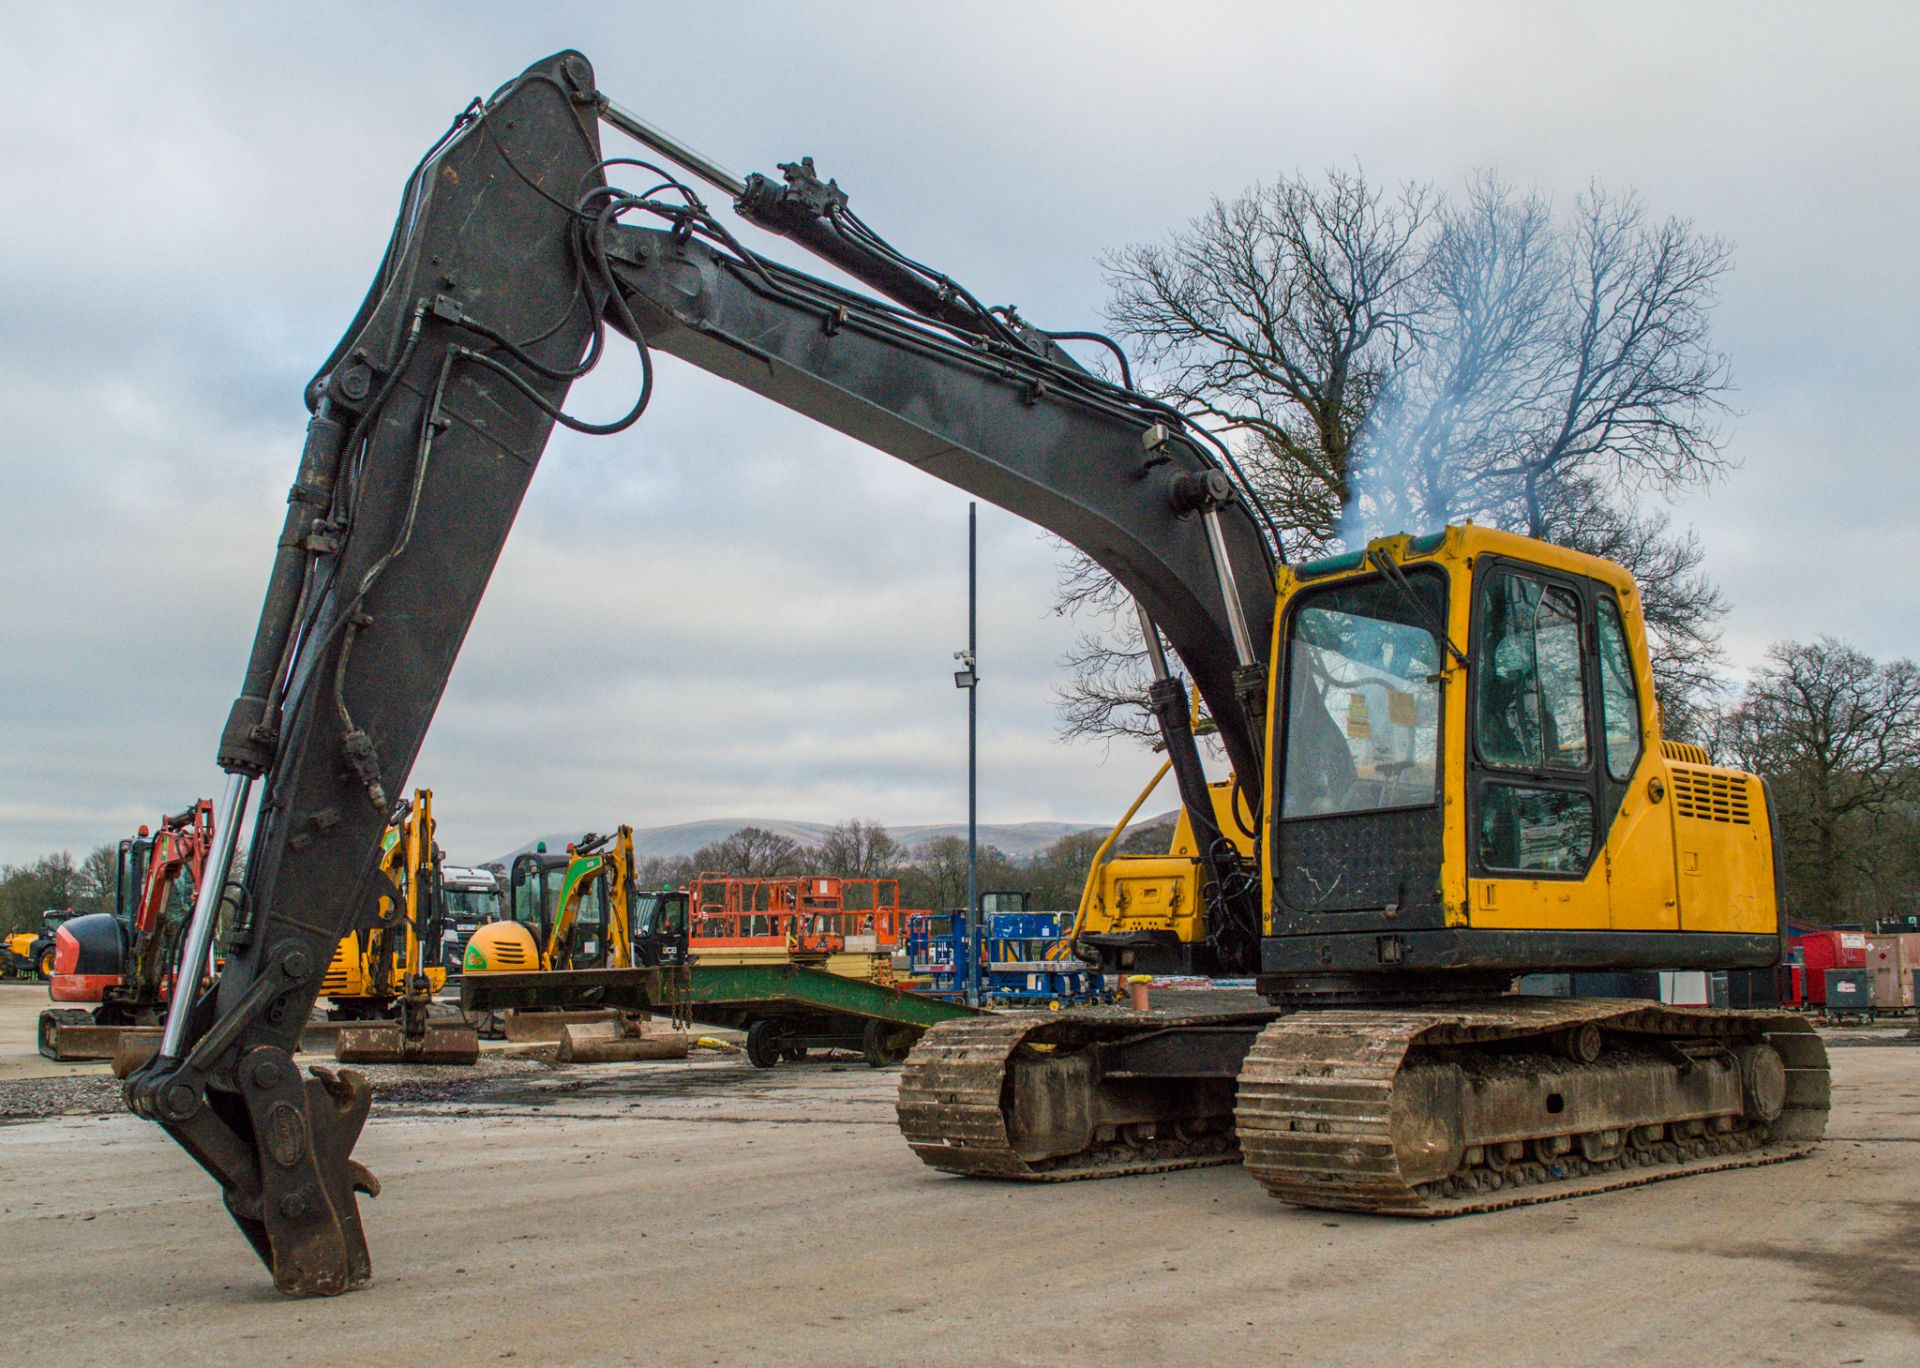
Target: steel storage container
<point>1824,950</point>
<point>1849,992</point>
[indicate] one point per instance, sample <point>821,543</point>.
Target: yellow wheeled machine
<point>380,975</point>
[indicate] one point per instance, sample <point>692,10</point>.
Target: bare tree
<point>935,876</point>
<point>1635,384</point>
<point>665,871</point>
<point>754,853</point>
<point>1394,364</point>
<point>100,877</point>
<point>1838,738</point>
<point>1681,605</point>
<point>1467,393</point>
<point>1275,317</point>
<point>859,850</point>
<point>50,882</point>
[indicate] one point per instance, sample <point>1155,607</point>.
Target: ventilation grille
<point>1686,754</point>
<point>511,955</point>
<point>1711,795</point>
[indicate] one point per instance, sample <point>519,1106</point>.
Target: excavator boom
<point>507,264</point>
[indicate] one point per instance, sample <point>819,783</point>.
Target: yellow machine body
<point>356,978</point>
<point>1129,894</point>
<point>501,947</point>
<point>1689,847</point>
<point>514,945</point>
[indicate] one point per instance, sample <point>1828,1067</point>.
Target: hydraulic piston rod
<point>671,148</point>
<point>1229,585</point>
<point>206,912</point>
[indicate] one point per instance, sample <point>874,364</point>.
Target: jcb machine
<point>367,976</point>
<point>1447,763</point>
<point>379,974</point>
<point>568,911</point>
<point>123,960</point>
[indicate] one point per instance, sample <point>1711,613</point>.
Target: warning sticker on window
<point>1399,708</point>
<point>1359,725</point>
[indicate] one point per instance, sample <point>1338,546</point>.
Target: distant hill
<point>1018,839</point>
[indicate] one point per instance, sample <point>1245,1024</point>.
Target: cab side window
<point>1530,716</point>
<point>1532,710</point>
<point>1619,701</point>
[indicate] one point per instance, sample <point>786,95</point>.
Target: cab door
<point>587,945</point>
<point>1535,809</point>
<point>1641,882</point>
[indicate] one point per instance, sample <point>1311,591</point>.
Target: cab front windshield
<point>472,904</point>
<point>1363,700</point>
<point>536,890</point>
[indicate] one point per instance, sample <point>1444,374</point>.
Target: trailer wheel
<point>885,1044</point>
<point>764,1044</point>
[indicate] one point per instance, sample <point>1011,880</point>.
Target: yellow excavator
<point>570,911</point>
<point>1446,766</point>
<point>1468,782</point>
<point>379,975</point>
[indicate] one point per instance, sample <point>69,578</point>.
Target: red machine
<point>122,959</point>
<point>801,915</point>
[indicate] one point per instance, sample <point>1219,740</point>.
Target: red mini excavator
<point>122,960</point>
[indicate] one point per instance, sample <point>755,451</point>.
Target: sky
<point>731,612</point>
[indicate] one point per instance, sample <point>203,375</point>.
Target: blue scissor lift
<point>1022,962</point>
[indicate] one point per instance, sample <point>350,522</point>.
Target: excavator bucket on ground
<point>390,1043</point>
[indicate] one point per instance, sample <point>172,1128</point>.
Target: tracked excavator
<point>379,978</point>
<point>122,961</point>
<point>566,911</point>
<point>1446,759</point>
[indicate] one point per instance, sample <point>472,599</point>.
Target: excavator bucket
<point>620,1041</point>
<point>390,1044</point>
<point>136,1045</point>
<point>70,1034</point>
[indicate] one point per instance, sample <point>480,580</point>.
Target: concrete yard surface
<point>708,1213</point>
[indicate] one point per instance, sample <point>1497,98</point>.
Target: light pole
<point>967,677</point>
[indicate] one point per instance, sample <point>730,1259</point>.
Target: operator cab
<point>1468,775</point>
<point>538,886</point>
<point>660,920</point>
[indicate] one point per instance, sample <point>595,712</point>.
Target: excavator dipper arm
<point>507,263</point>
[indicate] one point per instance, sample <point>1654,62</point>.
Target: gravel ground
<point>706,1212</point>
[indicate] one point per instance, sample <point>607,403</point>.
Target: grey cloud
<point>728,610</point>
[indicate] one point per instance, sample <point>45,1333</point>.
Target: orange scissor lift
<point>848,926</point>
